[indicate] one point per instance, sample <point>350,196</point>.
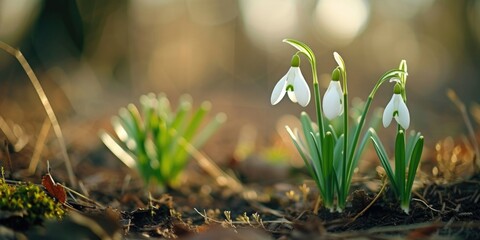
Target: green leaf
<point>411,141</point>
<point>383,156</point>
<point>332,129</point>
<point>301,151</point>
<point>414,162</point>
<point>116,148</point>
<point>358,154</point>
<point>328,159</point>
<point>177,120</point>
<point>307,129</point>
<point>208,130</point>
<point>400,162</point>
<point>338,156</point>
<point>319,168</point>
<point>196,120</point>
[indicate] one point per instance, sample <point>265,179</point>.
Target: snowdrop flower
<point>332,100</point>
<point>397,109</point>
<point>294,84</point>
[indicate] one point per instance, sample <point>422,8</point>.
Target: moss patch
<point>22,205</point>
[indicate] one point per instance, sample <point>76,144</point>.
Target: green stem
<point>344,183</point>
<point>356,135</point>
<point>303,48</point>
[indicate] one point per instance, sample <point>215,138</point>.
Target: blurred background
<point>93,57</point>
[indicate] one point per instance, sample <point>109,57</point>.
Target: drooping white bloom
<point>397,109</point>
<point>332,100</point>
<point>294,84</point>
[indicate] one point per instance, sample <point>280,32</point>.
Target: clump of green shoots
<point>155,138</point>
<point>330,155</point>
<point>407,153</point>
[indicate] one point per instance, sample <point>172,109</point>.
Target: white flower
<point>294,84</point>
<point>397,109</point>
<point>332,100</point>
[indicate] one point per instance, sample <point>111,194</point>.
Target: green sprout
<point>330,158</point>
<point>155,139</point>
<point>407,153</point>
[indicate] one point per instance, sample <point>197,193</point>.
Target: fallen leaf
<point>55,190</point>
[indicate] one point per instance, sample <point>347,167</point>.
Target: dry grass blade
<point>221,177</point>
<point>7,157</point>
<point>461,106</point>
<point>37,152</point>
<point>46,104</point>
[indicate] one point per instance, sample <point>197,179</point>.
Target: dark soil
<point>448,211</point>
<point>196,210</point>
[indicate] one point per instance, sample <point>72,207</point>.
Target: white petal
<point>340,94</point>
<point>292,96</point>
<point>388,112</point>
<point>331,104</point>
<point>279,90</point>
<point>403,117</point>
<point>301,89</point>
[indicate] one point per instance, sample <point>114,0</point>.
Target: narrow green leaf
<point>301,151</point>
<point>411,141</point>
<point>332,129</point>
<point>319,168</point>
<point>147,103</point>
<point>127,122</point>
<point>358,154</point>
<point>383,156</point>
<point>414,162</point>
<point>116,148</point>
<point>307,129</point>
<point>209,130</point>
<point>337,158</point>
<point>400,162</point>
<point>328,159</point>
<point>178,120</point>
<point>163,107</point>
<point>196,120</point>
